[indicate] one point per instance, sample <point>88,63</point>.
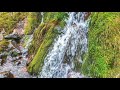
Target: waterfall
<point>71,44</point>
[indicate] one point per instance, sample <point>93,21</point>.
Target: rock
<point>4,54</point>
<point>1,37</point>
<point>13,37</point>
<point>20,28</point>
<point>3,57</point>
<point>14,43</point>
<point>16,59</point>
<point>3,61</point>
<point>19,63</point>
<point>7,74</point>
<point>9,58</point>
<point>87,15</point>
<point>14,54</point>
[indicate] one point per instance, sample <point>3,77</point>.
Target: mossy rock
<point>38,60</point>
<point>8,20</point>
<point>33,21</point>
<point>43,38</point>
<point>3,45</point>
<point>104,45</point>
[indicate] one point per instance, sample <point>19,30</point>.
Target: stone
<point>1,37</point>
<point>7,74</point>
<point>12,37</point>
<point>87,14</point>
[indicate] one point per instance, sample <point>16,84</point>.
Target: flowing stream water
<point>67,49</point>
<point>71,45</point>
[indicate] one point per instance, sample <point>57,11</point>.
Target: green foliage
<point>33,20</point>
<point>104,46</point>
<point>3,45</point>
<point>8,20</point>
<point>56,16</point>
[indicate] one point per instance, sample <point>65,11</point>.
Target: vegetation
<point>9,20</point>
<point>44,36</point>
<point>3,45</point>
<point>103,57</point>
<point>33,20</point>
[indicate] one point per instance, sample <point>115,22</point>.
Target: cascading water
<point>71,45</point>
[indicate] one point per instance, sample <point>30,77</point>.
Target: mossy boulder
<point>103,55</point>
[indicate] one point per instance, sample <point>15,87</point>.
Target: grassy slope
<point>103,57</point>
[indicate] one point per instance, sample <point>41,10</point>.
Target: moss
<point>38,37</point>
<point>33,20</point>
<point>9,20</point>
<point>43,38</point>
<point>104,46</point>
<point>38,60</point>
<point>3,45</point>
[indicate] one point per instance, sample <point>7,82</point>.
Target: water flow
<point>71,45</point>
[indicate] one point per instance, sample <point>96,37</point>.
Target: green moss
<point>3,45</point>
<point>104,46</point>
<point>38,60</point>
<point>33,20</point>
<point>43,38</point>
<point>38,37</point>
<point>9,20</point>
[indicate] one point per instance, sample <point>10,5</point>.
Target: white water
<point>68,46</point>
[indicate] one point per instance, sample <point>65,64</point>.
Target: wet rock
<point>87,14</point>
<point>14,54</point>
<point>14,43</point>
<point>16,59</point>
<point>3,57</point>
<point>19,63</point>
<point>9,58</point>
<point>3,61</point>
<point>13,37</point>
<point>7,74</point>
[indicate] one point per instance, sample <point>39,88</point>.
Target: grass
<point>104,46</point>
